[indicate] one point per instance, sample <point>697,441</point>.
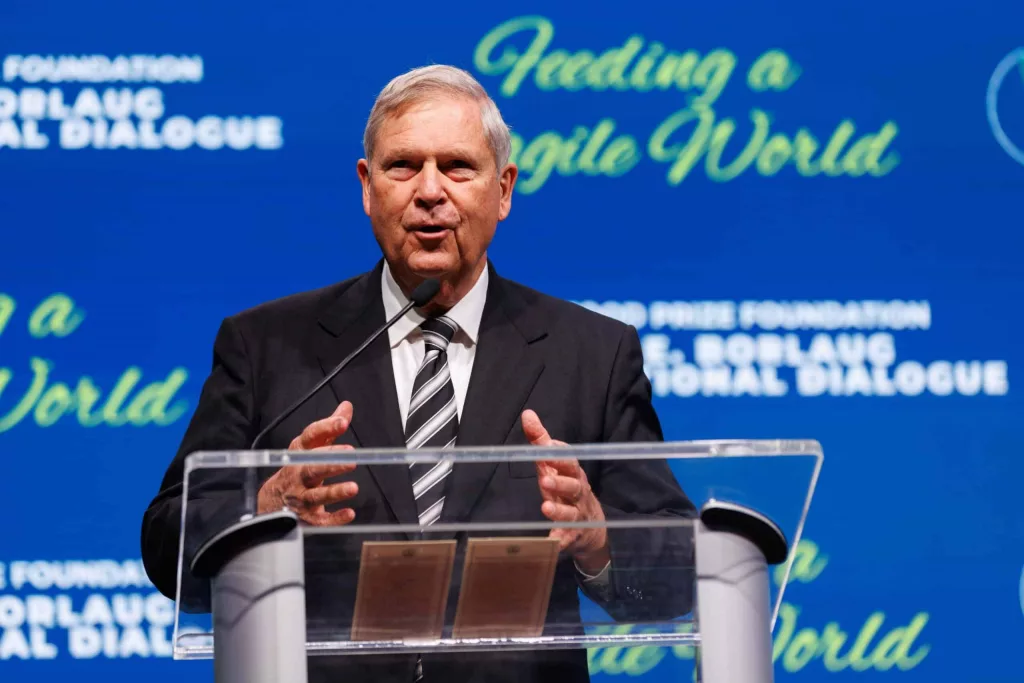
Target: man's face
<point>433,194</point>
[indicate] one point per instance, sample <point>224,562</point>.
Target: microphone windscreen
<point>425,291</point>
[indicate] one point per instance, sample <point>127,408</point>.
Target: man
<point>486,362</point>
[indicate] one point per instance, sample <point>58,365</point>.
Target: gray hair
<point>439,79</point>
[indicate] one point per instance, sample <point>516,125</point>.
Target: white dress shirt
<point>407,348</point>
<point>407,351</point>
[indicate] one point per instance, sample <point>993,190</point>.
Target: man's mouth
<point>429,230</point>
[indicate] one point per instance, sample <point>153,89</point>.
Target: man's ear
<point>363,170</point>
<point>507,183</point>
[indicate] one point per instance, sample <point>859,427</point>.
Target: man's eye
<point>459,166</point>
<point>401,163</point>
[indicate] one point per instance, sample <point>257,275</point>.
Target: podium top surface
<point>669,450</point>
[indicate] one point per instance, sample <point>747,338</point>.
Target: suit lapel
<point>506,367</point>
<point>368,382</point>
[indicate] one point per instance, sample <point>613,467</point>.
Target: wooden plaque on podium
<point>506,586</point>
<point>403,588</point>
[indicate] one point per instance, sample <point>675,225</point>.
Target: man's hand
<point>568,498</point>
<point>301,487</point>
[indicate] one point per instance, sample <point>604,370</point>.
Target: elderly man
<point>486,362</point>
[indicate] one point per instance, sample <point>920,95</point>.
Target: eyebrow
<point>402,152</point>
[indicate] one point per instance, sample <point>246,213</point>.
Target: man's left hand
<point>568,498</point>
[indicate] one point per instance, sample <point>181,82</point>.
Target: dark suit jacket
<point>581,372</point>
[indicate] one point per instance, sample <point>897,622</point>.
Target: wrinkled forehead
<point>433,123</point>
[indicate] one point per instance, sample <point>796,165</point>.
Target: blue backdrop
<point>811,212</point>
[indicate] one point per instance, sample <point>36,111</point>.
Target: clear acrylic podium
<point>265,594</point>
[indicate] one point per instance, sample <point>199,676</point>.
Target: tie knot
<point>437,332</point>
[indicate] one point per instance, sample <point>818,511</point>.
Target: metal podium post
<point>734,546</point>
<point>258,598</point>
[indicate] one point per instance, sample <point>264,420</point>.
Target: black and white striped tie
<point>433,419</point>
<point>432,422</point>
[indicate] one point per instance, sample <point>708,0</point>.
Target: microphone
<point>423,293</point>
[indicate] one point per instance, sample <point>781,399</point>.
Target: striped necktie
<point>433,420</point>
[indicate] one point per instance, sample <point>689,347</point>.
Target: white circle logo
<point>1011,65</point>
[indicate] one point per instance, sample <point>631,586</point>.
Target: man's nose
<point>430,191</point>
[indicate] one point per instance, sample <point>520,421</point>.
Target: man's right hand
<point>301,488</point>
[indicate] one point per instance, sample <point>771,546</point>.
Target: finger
<point>560,512</point>
<point>570,467</point>
<point>344,410</point>
<point>566,487</point>
<point>319,433</point>
<point>324,432</point>
<point>313,475</point>
<point>336,518</point>
<point>321,518</point>
<point>326,495</point>
<point>534,429</point>
<point>544,493</point>
<point>566,537</point>
<point>544,469</point>
<point>336,447</point>
<point>560,468</point>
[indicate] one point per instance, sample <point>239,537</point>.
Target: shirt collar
<point>466,313</point>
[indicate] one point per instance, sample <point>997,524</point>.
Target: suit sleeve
<point>223,420</point>
<point>651,573</point>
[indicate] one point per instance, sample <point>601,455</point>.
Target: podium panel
<point>673,549</point>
